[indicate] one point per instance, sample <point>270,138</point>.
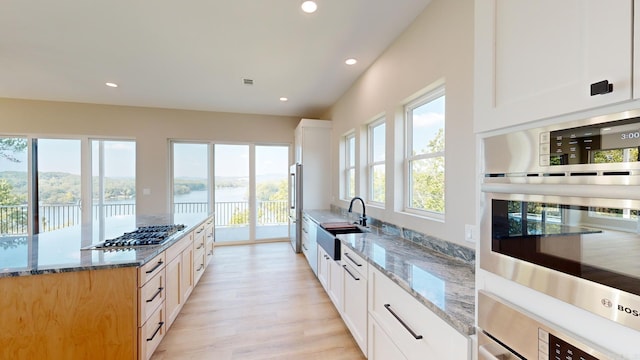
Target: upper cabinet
<point>313,151</point>
<point>544,58</point>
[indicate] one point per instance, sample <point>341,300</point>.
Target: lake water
<point>222,195</point>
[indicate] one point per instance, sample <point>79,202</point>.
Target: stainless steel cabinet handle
<point>156,294</point>
<point>352,260</point>
<point>200,246</point>
<point>347,270</point>
<point>201,267</point>
<point>156,332</point>
<point>416,336</point>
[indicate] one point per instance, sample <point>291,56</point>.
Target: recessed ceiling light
<point>284,99</point>
<point>350,61</point>
<point>309,6</point>
<point>110,84</point>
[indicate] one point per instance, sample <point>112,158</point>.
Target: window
<point>113,178</point>
<point>14,178</point>
<point>56,174</point>
<point>425,153</point>
<point>190,178</point>
<point>376,161</point>
<point>350,166</point>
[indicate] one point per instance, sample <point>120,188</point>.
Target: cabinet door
<point>380,345</point>
<point>538,59</point>
<point>173,301</point>
<point>323,267</point>
<point>186,280</point>
<point>354,311</point>
<point>335,284</point>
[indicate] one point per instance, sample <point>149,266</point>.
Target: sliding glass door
<point>272,191</point>
<point>248,189</point>
<point>232,193</point>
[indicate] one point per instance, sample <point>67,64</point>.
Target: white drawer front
<point>355,261</point>
<point>418,332</point>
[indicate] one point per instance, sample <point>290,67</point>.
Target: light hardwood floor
<point>258,302</point>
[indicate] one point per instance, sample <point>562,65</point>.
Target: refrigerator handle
<point>293,193</point>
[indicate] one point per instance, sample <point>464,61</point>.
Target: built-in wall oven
<point>508,332</point>
<point>561,212</point>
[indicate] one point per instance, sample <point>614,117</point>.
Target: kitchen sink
<point>326,236</point>
<point>336,228</point>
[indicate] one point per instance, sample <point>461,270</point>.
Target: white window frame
<point>430,96</point>
<point>371,163</point>
<point>348,167</point>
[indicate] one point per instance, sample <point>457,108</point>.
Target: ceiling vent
<point>246,81</point>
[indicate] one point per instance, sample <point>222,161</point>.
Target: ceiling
<point>194,54</point>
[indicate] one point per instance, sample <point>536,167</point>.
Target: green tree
<point>379,180</point>
<point>10,146</point>
<point>428,177</point>
<point>15,218</point>
<point>239,217</point>
<point>273,191</point>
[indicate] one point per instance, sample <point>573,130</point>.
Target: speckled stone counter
<point>442,283</point>
<point>62,250</point>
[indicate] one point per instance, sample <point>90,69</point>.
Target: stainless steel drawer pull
<point>201,267</point>
<point>155,267</point>
<point>416,336</point>
<point>347,270</point>
<point>156,332</point>
<point>156,294</point>
<point>200,246</point>
<point>352,260</point>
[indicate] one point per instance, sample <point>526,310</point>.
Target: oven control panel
<point>609,142</point>
<point>551,347</point>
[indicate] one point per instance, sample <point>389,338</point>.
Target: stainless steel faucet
<point>363,219</point>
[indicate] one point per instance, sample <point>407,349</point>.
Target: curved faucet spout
<point>363,219</point>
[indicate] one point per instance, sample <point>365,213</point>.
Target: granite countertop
<point>64,250</point>
<point>444,284</point>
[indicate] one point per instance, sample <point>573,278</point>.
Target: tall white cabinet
<point>313,151</point>
<point>538,59</point>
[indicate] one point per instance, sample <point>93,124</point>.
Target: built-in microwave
<point>561,212</point>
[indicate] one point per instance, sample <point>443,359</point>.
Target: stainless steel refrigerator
<point>295,207</point>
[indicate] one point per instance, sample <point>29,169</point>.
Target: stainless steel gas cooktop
<point>142,236</point>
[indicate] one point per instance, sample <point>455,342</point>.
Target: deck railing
<point>13,218</point>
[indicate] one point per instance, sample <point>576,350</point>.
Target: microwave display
<point>612,142</point>
<point>597,244</point>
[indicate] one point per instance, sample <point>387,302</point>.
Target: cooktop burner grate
<point>142,236</point>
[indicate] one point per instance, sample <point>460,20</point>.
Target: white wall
<point>438,46</point>
<point>151,128</point>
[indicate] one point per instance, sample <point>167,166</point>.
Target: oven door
<point>582,250</point>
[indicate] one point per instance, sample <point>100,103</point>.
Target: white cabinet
<point>380,345</point>
<point>335,284</point>
<point>331,277</point>
<point>538,59</point>
<point>309,242</point>
<point>313,151</point>
<point>323,268</point>
<point>417,332</point>
<point>354,309</point>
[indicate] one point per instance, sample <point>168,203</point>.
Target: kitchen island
<point>63,300</point>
